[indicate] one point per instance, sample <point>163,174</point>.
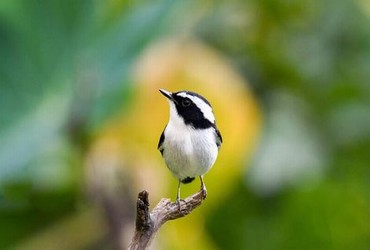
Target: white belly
<point>189,153</point>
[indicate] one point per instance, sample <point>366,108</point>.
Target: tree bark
<point>148,223</point>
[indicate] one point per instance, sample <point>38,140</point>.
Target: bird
<point>191,140</point>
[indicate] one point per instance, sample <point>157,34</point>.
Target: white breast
<point>189,152</point>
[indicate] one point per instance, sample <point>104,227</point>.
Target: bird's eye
<point>186,103</point>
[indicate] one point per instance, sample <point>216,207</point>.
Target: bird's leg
<point>178,195</point>
<point>178,191</point>
<point>203,187</point>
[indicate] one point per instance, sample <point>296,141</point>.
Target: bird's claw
<point>204,191</point>
<point>178,203</point>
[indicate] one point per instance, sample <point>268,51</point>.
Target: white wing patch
<point>204,107</point>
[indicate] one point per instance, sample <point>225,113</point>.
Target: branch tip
<point>148,223</point>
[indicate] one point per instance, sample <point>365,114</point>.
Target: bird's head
<point>190,108</point>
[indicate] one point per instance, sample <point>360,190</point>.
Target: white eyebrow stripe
<point>203,106</point>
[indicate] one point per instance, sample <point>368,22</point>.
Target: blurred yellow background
<point>81,116</point>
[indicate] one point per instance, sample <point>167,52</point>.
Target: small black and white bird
<point>190,141</point>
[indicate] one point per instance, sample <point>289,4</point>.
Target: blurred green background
<point>66,70</point>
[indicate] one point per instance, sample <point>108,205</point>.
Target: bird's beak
<point>166,94</point>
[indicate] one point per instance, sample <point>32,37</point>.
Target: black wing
<point>160,143</point>
<point>218,137</point>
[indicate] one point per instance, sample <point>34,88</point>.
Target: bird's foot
<point>178,203</point>
<point>204,191</point>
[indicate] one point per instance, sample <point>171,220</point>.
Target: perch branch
<point>148,223</point>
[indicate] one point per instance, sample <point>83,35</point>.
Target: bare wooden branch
<point>147,224</point>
